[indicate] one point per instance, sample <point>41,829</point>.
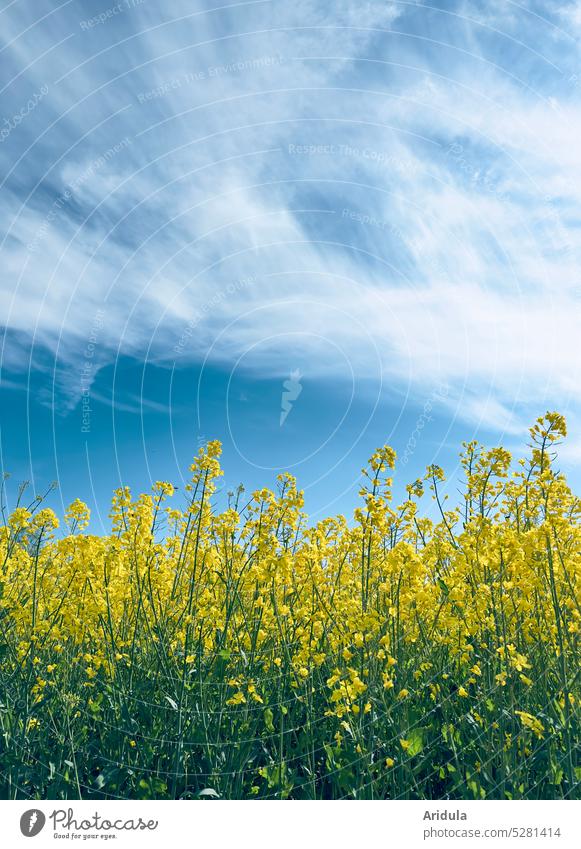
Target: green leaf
<point>268,717</point>
<point>158,786</point>
<point>416,740</point>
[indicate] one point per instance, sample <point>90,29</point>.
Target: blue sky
<point>364,216</point>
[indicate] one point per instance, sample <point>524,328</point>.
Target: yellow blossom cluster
<point>392,655</point>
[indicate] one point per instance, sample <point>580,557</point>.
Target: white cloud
<point>465,269</point>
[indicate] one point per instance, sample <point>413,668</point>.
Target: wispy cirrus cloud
<point>400,182</point>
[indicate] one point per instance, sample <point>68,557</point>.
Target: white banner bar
<point>253,824</point>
